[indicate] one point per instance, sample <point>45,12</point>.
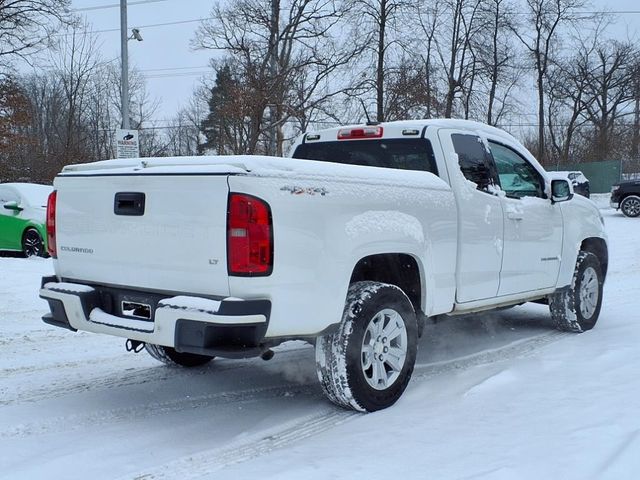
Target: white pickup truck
<point>350,244</point>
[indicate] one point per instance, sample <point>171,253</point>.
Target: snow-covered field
<point>496,396</point>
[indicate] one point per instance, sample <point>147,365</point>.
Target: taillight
<point>51,224</point>
<point>359,132</point>
<point>249,236</point>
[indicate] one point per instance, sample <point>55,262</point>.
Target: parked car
<point>579,181</point>
<point>350,245</point>
<point>22,218</point>
<point>625,196</point>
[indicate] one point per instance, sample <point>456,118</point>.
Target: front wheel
<point>367,364</point>
<point>576,308</point>
<point>630,206</point>
<point>174,358</point>
<point>32,244</point>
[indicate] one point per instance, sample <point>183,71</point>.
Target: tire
<point>630,206</point>
<point>349,372</point>
<point>32,244</point>
<point>576,308</point>
<point>171,357</point>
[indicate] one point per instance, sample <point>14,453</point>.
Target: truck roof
<point>395,129</point>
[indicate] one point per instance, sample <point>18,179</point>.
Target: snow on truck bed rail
<point>261,166</point>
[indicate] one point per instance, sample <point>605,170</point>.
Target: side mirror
<point>13,206</point>
<point>560,191</point>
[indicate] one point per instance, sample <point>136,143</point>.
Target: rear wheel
<point>172,357</point>
<point>576,308</point>
<point>367,364</point>
<point>630,206</point>
<point>32,244</point>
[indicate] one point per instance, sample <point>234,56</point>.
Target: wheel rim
<point>589,292</point>
<point>32,244</point>
<point>384,349</point>
<point>632,207</point>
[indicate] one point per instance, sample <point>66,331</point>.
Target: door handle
<point>515,216</point>
<point>129,203</point>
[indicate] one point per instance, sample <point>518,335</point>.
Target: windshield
<point>33,194</point>
<point>398,153</point>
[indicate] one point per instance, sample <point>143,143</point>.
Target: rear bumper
<point>227,327</point>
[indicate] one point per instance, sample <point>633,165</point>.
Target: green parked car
<point>23,209</point>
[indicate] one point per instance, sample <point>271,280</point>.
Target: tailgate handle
<point>129,203</point>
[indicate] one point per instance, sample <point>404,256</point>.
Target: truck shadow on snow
<point>291,373</point>
<point>289,380</point>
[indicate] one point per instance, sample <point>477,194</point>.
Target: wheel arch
<point>598,247</point>
<point>38,228</point>
<point>400,269</point>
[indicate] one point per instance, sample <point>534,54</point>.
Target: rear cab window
<point>475,161</point>
<point>398,153</point>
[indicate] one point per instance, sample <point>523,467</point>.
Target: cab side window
<point>517,176</point>
<point>474,160</point>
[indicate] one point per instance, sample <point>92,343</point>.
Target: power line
<point>152,25</point>
<point>114,5</point>
<point>195,20</point>
<point>178,74</point>
<point>172,68</point>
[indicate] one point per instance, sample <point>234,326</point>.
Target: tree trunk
<point>541,123</point>
<point>635,140</point>
<point>380,65</point>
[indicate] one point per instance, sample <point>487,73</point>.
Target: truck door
<point>9,220</point>
<point>480,217</point>
<point>532,225</point>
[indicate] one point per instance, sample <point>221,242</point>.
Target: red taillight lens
<point>249,236</point>
<point>359,132</point>
<point>51,224</point>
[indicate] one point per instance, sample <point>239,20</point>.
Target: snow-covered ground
<point>495,396</point>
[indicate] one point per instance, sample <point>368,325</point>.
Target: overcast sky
<point>173,68</point>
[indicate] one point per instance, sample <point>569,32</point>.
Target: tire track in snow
<point>124,377</point>
<point>513,350</point>
<point>200,464</point>
<point>108,416</point>
<point>154,374</point>
<point>204,463</point>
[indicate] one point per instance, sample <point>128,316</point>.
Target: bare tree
<point>427,18</point>
<point>74,63</point>
<point>539,35</point>
<point>184,133</point>
<point>409,92</point>
<point>273,44</point>
<point>610,85</point>
<point>635,136</point>
<point>566,106</point>
<point>454,46</point>
<point>14,132</point>
<point>497,56</point>
<point>27,25</point>
<point>380,31</point>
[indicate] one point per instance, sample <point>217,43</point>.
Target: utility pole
<point>273,71</point>
<point>124,55</point>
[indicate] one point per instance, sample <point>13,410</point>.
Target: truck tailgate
<point>175,243</point>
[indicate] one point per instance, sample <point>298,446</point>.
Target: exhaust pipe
<point>134,346</point>
<point>267,354</point>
